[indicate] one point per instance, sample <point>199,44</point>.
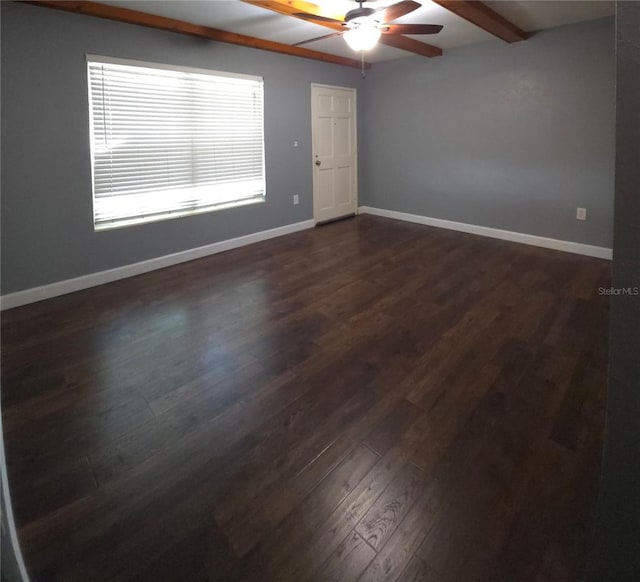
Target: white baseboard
<point>518,237</point>
<point>8,519</point>
<point>84,282</point>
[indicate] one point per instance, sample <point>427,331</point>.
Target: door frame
<point>354,91</point>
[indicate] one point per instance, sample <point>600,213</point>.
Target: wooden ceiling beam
<point>293,7</point>
<point>169,24</point>
<point>481,15</point>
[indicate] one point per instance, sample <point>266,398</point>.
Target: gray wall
<point>616,555</point>
<point>508,136</point>
<point>47,222</point>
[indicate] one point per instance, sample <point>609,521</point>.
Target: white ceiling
<point>236,16</point>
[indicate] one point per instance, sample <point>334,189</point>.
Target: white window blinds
<point>168,142</point>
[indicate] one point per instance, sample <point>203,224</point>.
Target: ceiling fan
<point>363,26</point>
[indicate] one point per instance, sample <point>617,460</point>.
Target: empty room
<point>320,291</point>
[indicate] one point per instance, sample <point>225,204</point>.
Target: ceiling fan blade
<point>319,38</point>
<point>411,28</point>
<point>317,18</point>
<point>410,44</point>
<point>396,10</point>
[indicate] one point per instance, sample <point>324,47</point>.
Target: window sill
<point>124,223</point>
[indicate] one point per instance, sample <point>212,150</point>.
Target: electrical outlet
<point>295,144</point>
<point>581,214</point>
<point>296,199</point>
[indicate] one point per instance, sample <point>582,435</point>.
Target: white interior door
<point>333,125</point>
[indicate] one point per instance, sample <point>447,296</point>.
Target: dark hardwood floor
<point>370,400</point>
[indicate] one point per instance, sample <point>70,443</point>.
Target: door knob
<point>318,162</point>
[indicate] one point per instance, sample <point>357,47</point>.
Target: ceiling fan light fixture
<point>362,37</point>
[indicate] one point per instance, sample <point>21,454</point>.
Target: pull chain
<point>362,60</point>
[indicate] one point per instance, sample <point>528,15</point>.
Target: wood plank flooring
<point>370,400</point>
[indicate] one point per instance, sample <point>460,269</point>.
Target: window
<point>168,141</point>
